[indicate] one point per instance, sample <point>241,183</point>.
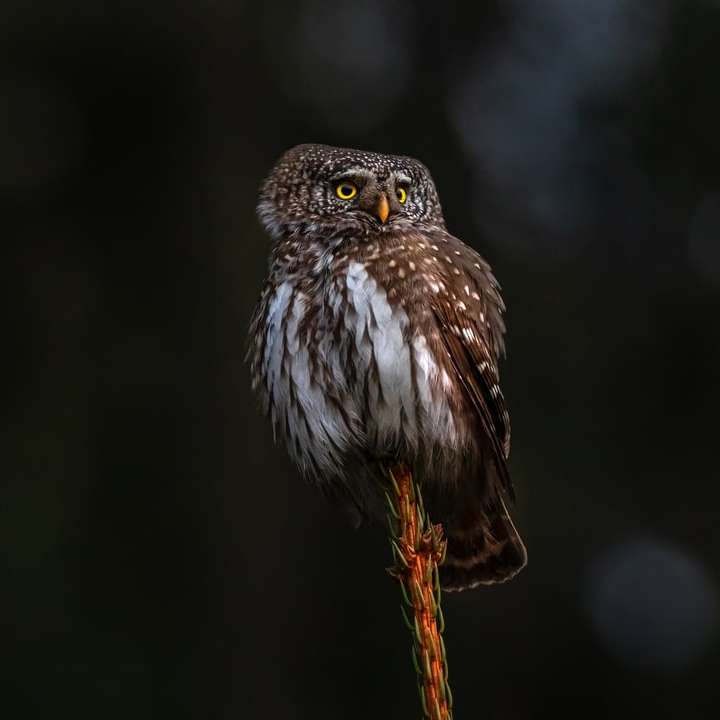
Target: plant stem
<point>418,548</point>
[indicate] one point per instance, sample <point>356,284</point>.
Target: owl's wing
<point>472,334</point>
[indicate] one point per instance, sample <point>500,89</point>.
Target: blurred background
<point>160,558</point>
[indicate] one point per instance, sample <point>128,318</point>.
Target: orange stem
<point>419,548</point>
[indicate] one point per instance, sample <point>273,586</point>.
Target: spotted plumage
<point>377,339</point>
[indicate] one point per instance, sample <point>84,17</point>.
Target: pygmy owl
<point>376,340</point>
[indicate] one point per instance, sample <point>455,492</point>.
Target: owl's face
<point>326,189</point>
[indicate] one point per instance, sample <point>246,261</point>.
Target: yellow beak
<point>383,208</point>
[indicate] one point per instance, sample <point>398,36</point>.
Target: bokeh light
<point>652,606</point>
<point>521,110</point>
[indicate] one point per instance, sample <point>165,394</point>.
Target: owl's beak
<point>382,209</point>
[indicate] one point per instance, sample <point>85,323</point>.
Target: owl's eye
<point>401,193</point>
<point>345,190</point>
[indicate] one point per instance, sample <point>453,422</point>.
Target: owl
<point>376,340</point>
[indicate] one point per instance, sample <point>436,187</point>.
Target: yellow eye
<point>401,195</point>
<point>346,190</point>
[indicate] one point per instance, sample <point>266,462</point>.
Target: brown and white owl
<point>376,340</point>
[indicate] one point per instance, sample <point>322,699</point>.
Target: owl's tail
<point>482,549</point>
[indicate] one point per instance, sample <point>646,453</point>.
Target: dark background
<point>160,558</point>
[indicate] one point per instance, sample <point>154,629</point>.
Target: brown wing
<point>469,314</point>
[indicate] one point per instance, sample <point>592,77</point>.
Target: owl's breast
<point>403,394</point>
<point>346,369</point>
<point>301,381</point>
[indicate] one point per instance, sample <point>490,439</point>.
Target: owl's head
<point>325,189</point>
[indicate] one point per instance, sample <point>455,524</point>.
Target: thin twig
<point>418,548</point>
